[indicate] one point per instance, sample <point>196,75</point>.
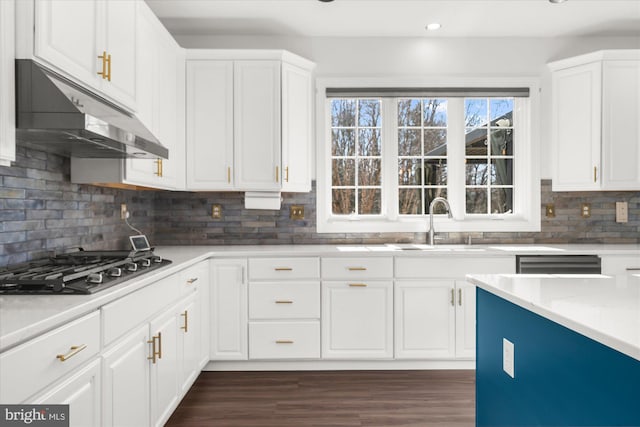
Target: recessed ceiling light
<point>433,26</point>
<point>557,1</point>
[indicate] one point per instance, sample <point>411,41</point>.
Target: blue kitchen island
<point>557,350</point>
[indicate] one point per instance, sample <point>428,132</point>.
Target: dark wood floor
<point>335,398</point>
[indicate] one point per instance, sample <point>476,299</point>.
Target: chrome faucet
<point>431,205</point>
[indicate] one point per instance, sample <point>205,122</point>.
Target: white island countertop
<point>603,308</point>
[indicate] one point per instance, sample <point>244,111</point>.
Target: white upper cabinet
<point>93,41</point>
<point>7,84</point>
<point>595,122</point>
<point>249,124</point>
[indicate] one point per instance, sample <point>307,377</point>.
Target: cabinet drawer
<point>284,340</point>
<point>194,277</point>
<point>452,267</point>
<point>128,312</point>
<point>297,300</point>
<point>35,364</point>
<point>345,268</point>
<point>284,268</point>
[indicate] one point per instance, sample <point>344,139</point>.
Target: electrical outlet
<point>123,211</point>
<point>585,210</point>
<point>216,211</point>
<point>550,211</point>
<point>508,357</point>
<point>622,212</point>
<point>296,212</point>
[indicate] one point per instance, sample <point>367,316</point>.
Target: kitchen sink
<point>434,248</point>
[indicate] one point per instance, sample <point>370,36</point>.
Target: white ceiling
<point>400,18</point>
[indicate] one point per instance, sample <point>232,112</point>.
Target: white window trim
<point>526,165</point>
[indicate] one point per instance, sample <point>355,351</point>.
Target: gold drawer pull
<point>357,268</point>
<point>185,327</point>
<point>459,296</point>
<point>284,341</point>
<point>193,279</point>
<point>155,351</point>
<point>75,349</point>
<point>229,175</point>
<point>453,297</point>
<point>277,173</point>
<point>286,174</point>
<point>284,269</point>
<point>284,302</point>
<point>358,285</point>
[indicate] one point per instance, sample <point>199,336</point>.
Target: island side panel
<point>562,378</point>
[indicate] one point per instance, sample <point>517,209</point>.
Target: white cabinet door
<point>7,83</point>
<point>621,125</point>
<point>81,392</point>
<point>126,381</point>
<point>357,320</point>
<point>576,127</point>
<point>257,124</point>
<point>229,323</point>
<point>120,43</point>
<point>465,319</point>
<point>165,372</point>
<point>66,34</point>
<point>189,341</point>
<point>209,123</point>
<point>297,128</point>
<point>424,319</point>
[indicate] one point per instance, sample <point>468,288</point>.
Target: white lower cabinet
<point>229,322</point>
<point>357,320</point>
<point>81,392</point>
<point>284,340</point>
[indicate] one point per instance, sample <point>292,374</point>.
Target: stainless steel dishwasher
<point>558,264</point>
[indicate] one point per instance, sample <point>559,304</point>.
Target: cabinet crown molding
<point>250,54</point>
<point>600,55</point>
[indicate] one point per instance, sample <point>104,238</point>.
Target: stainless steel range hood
<point>57,115</point>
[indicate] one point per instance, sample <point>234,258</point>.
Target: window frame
<point>526,179</point>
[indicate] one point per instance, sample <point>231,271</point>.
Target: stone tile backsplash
<point>42,211</point>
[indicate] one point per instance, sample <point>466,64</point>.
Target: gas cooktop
<point>80,272</point>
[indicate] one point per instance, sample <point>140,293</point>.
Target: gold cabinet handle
<point>460,297</point>
<point>108,67</point>
<point>284,341</point>
<point>73,350</point>
<point>284,301</point>
<point>453,297</point>
<point>192,280</point>
<point>277,173</point>
<point>159,345</point>
<point>229,174</point>
<point>283,269</point>
<point>158,167</point>
<point>595,174</point>
<point>103,73</point>
<point>358,285</point>
<point>154,349</point>
<point>286,174</point>
<point>185,327</point>
<point>357,268</point>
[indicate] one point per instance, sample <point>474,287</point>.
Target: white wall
<point>431,56</point>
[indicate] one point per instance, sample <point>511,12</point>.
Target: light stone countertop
<point>603,308</point>
<point>25,316</point>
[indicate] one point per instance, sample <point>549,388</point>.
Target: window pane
<point>501,172</point>
<point>409,112</point>
<point>343,142</point>
<point>343,172</point>
<point>501,108</point>
<point>409,171</point>
<point>501,200</point>
<point>476,172</point>
<point>476,142</point>
<point>343,112</point>
<point>476,201</point>
<point>475,112</point>
<point>369,201</point>
<point>435,142</point>
<point>435,172</point>
<point>410,201</point>
<point>432,193</point>
<point>343,201</point>
<point>409,142</point>
<point>501,142</point>
<point>369,172</point>
<point>369,142</point>
<point>369,113</point>
<point>435,112</point>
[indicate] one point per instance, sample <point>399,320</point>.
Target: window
<point>390,152</point>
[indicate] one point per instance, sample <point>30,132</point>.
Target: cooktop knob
<point>114,272</point>
<point>94,278</point>
<point>131,266</point>
<point>157,259</point>
<point>145,262</point>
